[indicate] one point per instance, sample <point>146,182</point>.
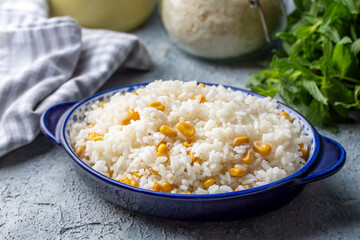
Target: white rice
<point>219,29</point>
<point>224,116</point>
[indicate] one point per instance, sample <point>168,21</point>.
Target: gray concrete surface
<point>41,197</point>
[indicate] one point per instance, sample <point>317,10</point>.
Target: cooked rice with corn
<point>188,138</point>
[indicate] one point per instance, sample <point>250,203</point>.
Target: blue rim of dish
<point>339,163</point>
<point>249,191</point>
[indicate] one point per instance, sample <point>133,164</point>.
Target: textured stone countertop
<point>41,196</point>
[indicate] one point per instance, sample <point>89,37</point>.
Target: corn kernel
<point>136,94</point>
<point>129,180</point>
<point>202,98</point>
<point>304,151</point>
<point>240,140</point>
<point>136,116</point>
<point>188,192</point>
<point>236,172</point>
<point>163,150</point>
<point>124,180</point>
<point>137,174</point>
<point>286,115</point>
<point>132,180</point>
<point>156,187</point>
<point>93,136</point>
<point>262,148</point>
<point>101,104</point>
<point>157,105</point>
<point>80,150</point>
<point>166,187</point>
<point>126,121</point>
<point>186,129</point>
<point>153,171</point>
<point>131,116</point>
<point>248,157</point>
<point>201,85</point>
<point>168,131</point>
<point>194,159</point>
<point>187,143</point>
<point>208,183</point>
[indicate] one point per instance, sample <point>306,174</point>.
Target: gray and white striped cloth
<point>45,61</point>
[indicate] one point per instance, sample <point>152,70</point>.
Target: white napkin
<point>46,61</point>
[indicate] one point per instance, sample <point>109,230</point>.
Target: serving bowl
<point>326,157</point>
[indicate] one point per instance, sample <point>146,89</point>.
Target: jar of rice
<point>222,29</point>
<point>116,15</point>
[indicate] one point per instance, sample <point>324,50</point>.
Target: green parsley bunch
<point>318,70</point>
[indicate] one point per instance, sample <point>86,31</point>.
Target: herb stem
<point>346,78</point>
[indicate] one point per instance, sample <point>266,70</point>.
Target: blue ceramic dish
<point>326,158</point>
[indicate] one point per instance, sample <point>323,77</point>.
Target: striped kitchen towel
<point>45,61</point>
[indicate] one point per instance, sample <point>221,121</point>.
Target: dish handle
<point>50,120</point>
<point>331,159</point>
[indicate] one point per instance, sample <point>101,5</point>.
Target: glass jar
<point>222,29</point>
<point>118,15</point>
